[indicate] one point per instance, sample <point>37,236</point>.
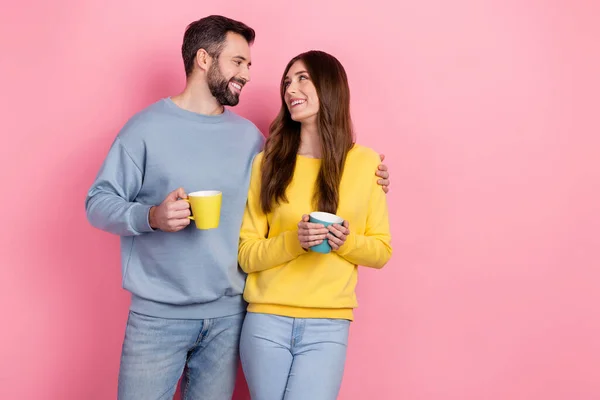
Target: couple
<point>187,311</point>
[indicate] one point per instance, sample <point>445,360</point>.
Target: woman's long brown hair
<point>335,133</point>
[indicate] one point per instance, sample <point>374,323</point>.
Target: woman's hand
<point>310,234</point>
<point>337,235</point>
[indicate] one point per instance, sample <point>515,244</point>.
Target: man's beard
<point>219,87</point>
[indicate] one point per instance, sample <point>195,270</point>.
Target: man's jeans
<point>157,350</point>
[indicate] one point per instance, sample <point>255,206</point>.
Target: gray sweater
<point>191,274</point>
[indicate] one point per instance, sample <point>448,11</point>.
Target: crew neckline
<point>307,158</point>
<point>196,116</point>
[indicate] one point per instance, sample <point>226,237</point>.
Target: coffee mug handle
<point>191,216</point>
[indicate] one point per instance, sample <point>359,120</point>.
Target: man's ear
<point>203,59</point>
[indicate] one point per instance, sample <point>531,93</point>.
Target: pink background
<point>486,110</point>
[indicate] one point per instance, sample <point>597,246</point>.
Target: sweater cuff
<point>140,218</point>
<point>292,244</point>
<point>348,246</point>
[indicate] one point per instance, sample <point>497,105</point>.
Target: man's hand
<point>382,172</point>
<point>310,234</point>
<point>172,214</point>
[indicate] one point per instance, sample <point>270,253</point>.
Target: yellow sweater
<point>283,278</point>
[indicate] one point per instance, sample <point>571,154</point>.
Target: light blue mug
<point>325,219</point>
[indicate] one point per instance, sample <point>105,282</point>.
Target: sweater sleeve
<point>257,252</point>
<point>110,203</point>
<point>373,248</point>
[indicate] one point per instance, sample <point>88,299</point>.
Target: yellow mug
<point>206,208</point>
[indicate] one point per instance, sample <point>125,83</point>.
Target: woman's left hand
<point>337,235</point>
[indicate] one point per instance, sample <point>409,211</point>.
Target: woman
<point>294,338</point>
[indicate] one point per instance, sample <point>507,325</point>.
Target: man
<point>187,309</point>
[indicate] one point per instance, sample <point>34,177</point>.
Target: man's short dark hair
<point>210,33</point>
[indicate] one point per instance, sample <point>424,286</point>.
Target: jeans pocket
<point>339,321</point>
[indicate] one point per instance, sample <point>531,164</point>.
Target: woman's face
<point>300,94</point>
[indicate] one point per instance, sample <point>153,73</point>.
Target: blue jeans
<point>293,358</point>
<point>156,351</point>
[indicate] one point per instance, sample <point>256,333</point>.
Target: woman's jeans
<point>293,358</point>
